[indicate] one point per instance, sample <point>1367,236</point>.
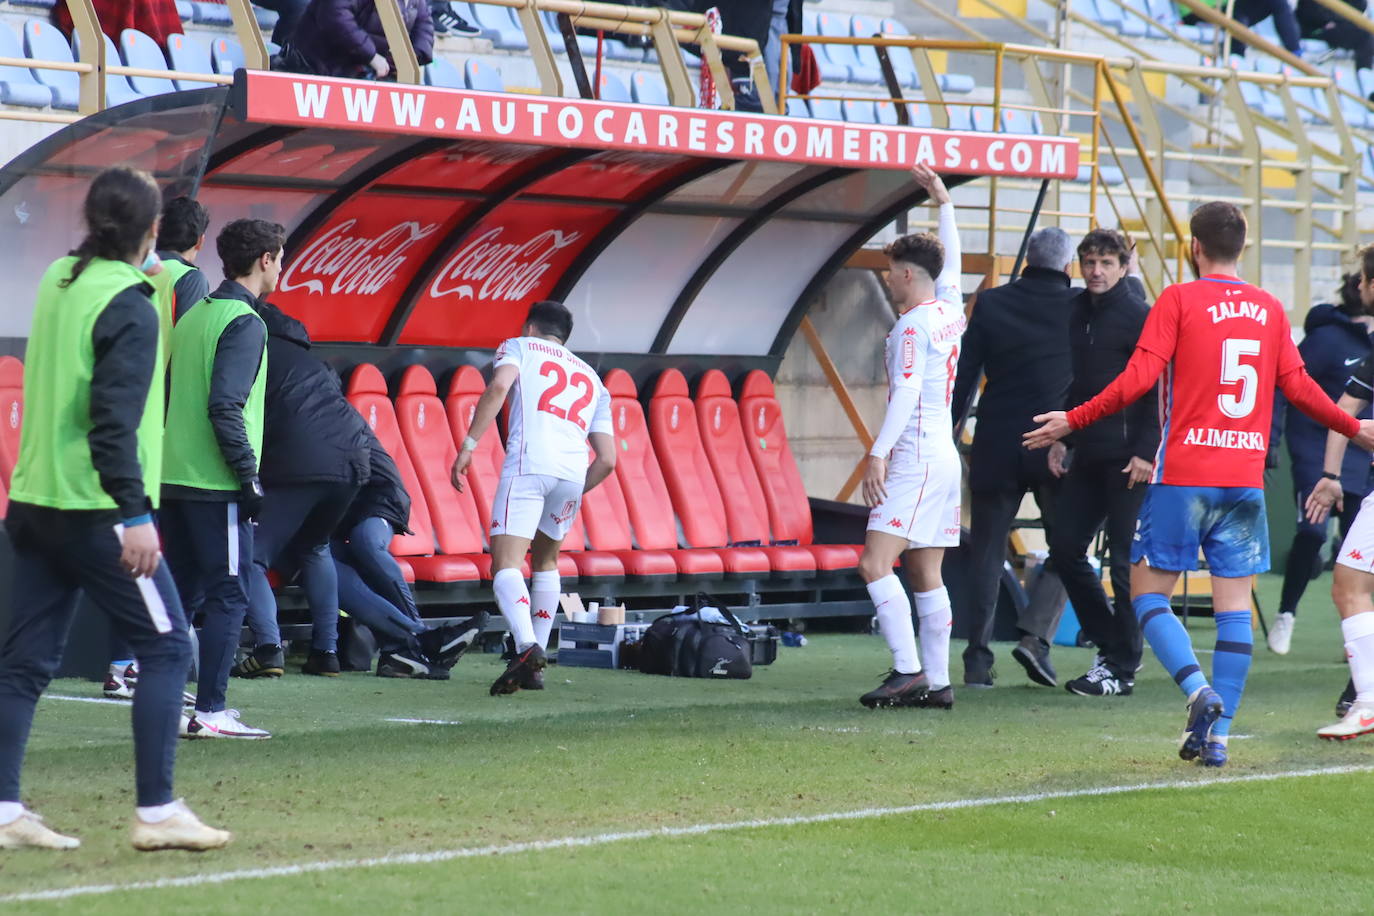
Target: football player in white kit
<point>559,405</point>
<point>912,483</point>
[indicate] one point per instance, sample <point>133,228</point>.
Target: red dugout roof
<point>429,217</point>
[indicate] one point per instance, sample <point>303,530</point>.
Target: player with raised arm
<point>912,483</point>
<point>1221,346</point>
<point>559,404</point>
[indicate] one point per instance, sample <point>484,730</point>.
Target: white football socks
<point>513,598</point>
<point>544,589</point>
<point>1359,649</point>
<point>936,621</point>
<point>10,812</point>
<point>156,814</point>
<point>894,619</point>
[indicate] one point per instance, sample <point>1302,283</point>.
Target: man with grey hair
<point>1018,338</point>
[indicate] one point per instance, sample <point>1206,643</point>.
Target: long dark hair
<point>121,207</point>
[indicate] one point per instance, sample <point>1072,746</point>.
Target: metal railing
<point>1168,134</point>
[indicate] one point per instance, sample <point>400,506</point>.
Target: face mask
<point>151,262</point>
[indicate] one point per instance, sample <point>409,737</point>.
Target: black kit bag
<point>686,645</point>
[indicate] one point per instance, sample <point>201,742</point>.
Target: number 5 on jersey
<point>1238,404</point>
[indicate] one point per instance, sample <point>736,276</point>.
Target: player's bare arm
<point>1328,493</point>
<point>488,406</point>
<point>603,448</point>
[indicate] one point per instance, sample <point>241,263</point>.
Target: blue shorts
<point>1228,524</point>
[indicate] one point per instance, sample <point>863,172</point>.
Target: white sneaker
<point>1281,633</point>
<point>116,688</point>
<point>1358,721</point>
<point>183,830</point>
<point>222,724</point>
<point>29,830</point>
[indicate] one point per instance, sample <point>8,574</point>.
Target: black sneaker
<point>324,664</point>
<point>448,22</point>
<point>445,644</point>
<point>897,689</point>
<point>978,677</point>
<point>1100,681</point>
<point>516,673</point>
<point>402,664</point>
<point>1034,656</point>
<point>941,698</point>
<point>1347,699</point>
<point>264,661</point>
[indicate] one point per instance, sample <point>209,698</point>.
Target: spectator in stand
<point>1250,13</point>
<point>372,589</point>
<point>1316,21</point>
<point>345,37</point>
<point>155,18</point>
<point>747,19</point>
<point>448,22</point>
<point>289,13</point>
<point>1336,338</point>
<point>1018,335</point>
<point>315,459</point>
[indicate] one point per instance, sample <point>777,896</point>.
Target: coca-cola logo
<point>490,270</point>
<point>353,263</point>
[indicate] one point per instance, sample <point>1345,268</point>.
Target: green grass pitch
<point>603,752</point>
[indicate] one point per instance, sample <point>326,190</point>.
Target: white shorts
<point>1357,550</point>
<point>526,503</point>
<point>922,504</point>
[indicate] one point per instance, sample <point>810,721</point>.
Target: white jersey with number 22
<point>556,402</point>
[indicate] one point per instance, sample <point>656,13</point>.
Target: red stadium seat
<point>695,494</point>
<point>464,389</point>
<point>11,415</point>
<point>427,436</point>
<point>608,527</point>
<point>641,481</point>
<point>367,393</point>
<point>784,495</point>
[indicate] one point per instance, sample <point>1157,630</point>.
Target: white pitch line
<point>424,721</point>
<point>58,696</point>
<point>603,839</point>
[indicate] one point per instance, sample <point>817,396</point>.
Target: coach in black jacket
<point>1111,463</point>
<point>1018,337</point>
<point>315,457</point>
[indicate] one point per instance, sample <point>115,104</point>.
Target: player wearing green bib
<point>81,501</point>
<point>210,481</point>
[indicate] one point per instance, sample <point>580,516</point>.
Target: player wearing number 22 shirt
<point>1218,346</point>
<point>557,406</point>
